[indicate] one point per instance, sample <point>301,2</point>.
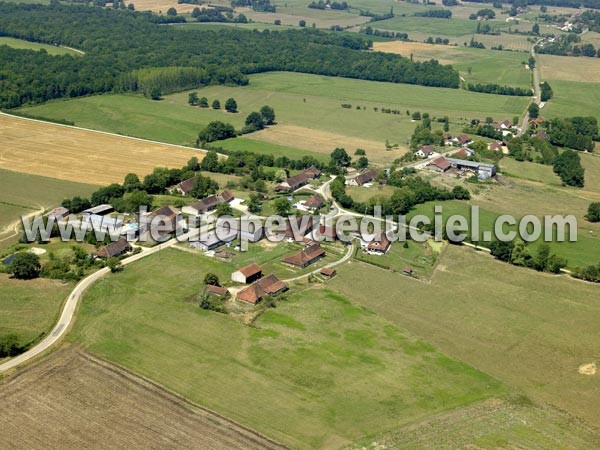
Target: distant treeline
<point>594,4</point>
<point>120,42</point>
<point>342,6</point>
<point>492,88</point>
<point>256,5</point>
<point>435,13</point>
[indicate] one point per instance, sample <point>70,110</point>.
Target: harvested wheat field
<point>325,142</point>
<point>68,153</point>
<point>72,400</point>
<point>161,6</point>
<point>419,50</point>
<point>567,68</point>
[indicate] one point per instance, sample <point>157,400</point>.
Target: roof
<point>462,153</point>
<point>186,185</point>
<point>366,177</point>
<point>472,164</point>
<point>407,270</point>
<point>114,249</point>
<point>297,179</point>
<point>217,290</point>
<point>58,212</point>
<point>206,203</point>
<point>315,202</point>
<point>100,209</point>
<point>226,195</point>
<point>507,123</point>
<point>251,270</point>
<point>463,138</point>
<point>327,272</point>
<point>497,146</point>
<point>441,163</point>
<point>305,256</point>
<point>268,285</point>
<point>327,232</point>
<point>312,172</point>
<point>168,214</point>
<point>426,148</point>
<point>541,135</point>
<point>380,242</point>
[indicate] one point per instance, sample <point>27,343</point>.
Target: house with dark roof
<point>363,178</point>
<point>114,249</point>
<point>248,274</point>
<point>293,183</point>
<point>266,286</point>
<point>208,204</point>
<point>463,139</point>
<point>425,151</point>
<point>165,220</point>
<point>440,164</point>
<point>495,146</point>
<point>217,291</point>
<point>99,210</point>
<point>306,256</point>
<point>328,272</point>
<point>184,188</point>
<point>379,245</point>
<point>312,172</point>
<point>315,202</point>
<point>58,213</point>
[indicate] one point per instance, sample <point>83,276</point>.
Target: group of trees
<point>565,45</point>
<point>256,5</point>
<point>218,14</point>
<point>593,214</point>
<point>118,44</point>
<point>437,40</point>
<point>218,131</point>
<point>546,91</point>
<point>523,148</point>
<point>10,345</point>
<point>493,88</point>
<point>258,120</point>
<point>215,131</point>
<point>518,254</point>
<point>483,13</point>
<point>435,13</point>
<point>369,31</point>
<point>577,133</point>
<point>343,6</point>
<point>568,167</point>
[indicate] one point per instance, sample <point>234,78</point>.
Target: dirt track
<point>71,400</point>
<point>74,154</point>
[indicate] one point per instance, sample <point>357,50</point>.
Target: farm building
<point>208,204</point>
<point>463,139</point>
<point>183,188</point>
<point>248,229</point>
<point>328,272</point>
<point>363,178</point>
<point>495,146</point>
<point>312,172</point>
<point>425,152</point>
<point>211,241</point>
<point>217,291</point>
<point>114,249</point>
<point>315,202</point>
<point>440,164</point>
<point>101,223</point>
<point>296,227</point>
<point>247,275</point>
<point>483,170</point>
<point>379,245</point>
<point>306,256</point>
<point>293,183</point>
<point>165,221</point>
<point>100,210</point>
<point>269,285</point>
<point>58,213</point>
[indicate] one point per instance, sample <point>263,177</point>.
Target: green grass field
<point>25,194</point>
<point>30,308</point>
<point>530,330</point>
<point>434,27</point>
<point>26,45</point>
<point>314,372</point>
<point>573,98</point>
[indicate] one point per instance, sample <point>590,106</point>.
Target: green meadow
<point>26,45</point>
<point>314,372</point>
<point>572,98</point>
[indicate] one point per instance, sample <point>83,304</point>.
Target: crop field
<point>79,155</point>
<point>292,16</point>
<point>486,66</point>
<point>573,99</point>
<point>48,406</point>
<point>435,27</point>
<point>161,6</point>
<point>22,193</point>
<point>29,309</point>
<point>568,68</point>
<point>532,331</point>
<point>26,45</point>
<point>298,375</point>
<point>310,103</point>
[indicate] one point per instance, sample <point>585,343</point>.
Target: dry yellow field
<point>84,156</point>
<point>161,6</point>
<point>325,142</point>
<point>419,50</point>
<point>568,68</point>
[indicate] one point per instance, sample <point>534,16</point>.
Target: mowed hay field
<point>532,331</point>
<point>569,68</point>
<point>72,400</point>
<point>486,66</point>
<point>162,6</point>
<point>26,45</point>
<point>77,155</point>
<point>315,372</point>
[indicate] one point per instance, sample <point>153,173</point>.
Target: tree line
<point>493,88</point>
<point>119,42</point>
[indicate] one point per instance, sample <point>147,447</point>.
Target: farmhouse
<point>542,135</point>
<point>440,164</point>
<point>495,146</point>
<point>161,222</point>
<point>363,178</point>
<point>247,275</point>
<point>208,204</point>
<point>58,213</point>
<point>114,249</point>
<point>315,202</point>
<point>269,285</point>
<point>296,227</point>
<point>293,183</point>
<point>184,188</point>
<point>379,245</point>
<point>463,153</point>
<point>448,140</point>
<point>306,256</point>
<point>313,172</point>
<point>101,223</point>
<point>463,139</point>
<point>100,210</point>
<point>425,152</point>
<point>211,241</point>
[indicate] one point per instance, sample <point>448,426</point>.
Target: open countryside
<point>168,134</point>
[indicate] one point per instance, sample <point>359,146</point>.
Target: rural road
<point>537,97</point>
<point>68,312</point>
